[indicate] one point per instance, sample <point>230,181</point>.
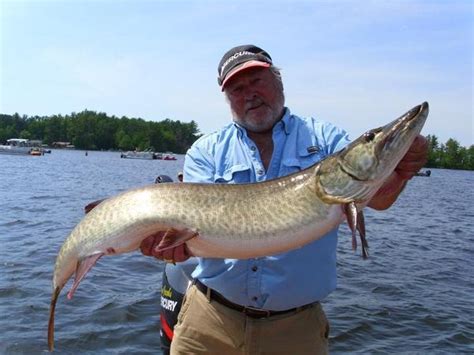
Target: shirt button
<point>255,298</point>
<point>253,148</point>
<point>260,172</point>
<point>254,268</point>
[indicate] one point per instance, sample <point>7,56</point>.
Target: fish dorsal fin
<point>356,222</point>
<point>82,268</point>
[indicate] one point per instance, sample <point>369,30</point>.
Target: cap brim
<point>243,66</point>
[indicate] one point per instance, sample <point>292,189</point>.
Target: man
<point>270,304</point>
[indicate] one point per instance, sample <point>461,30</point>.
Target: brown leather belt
<point>248,311</point>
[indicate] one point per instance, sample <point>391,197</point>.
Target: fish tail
<point>52,308</point>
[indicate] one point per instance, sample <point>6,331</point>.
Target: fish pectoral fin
<point>82,268</point>
<point>350,209</point>
<point>356,222</point>
<point>174,237</point>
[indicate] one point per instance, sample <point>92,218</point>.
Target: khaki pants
<point>210,328</point>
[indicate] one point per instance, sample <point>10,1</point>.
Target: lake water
<point>413,295</point>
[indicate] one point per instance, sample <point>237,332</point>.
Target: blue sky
<point>358,64</point>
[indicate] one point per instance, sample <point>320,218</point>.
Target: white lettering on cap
<point>234,57</point>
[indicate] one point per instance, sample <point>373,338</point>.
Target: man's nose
<point>249,92</point>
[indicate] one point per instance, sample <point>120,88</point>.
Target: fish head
<point>356,172</point>
<point>374,155</point>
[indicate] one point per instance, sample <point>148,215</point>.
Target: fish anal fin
<point>361,229</point>
<point>83,267</point>
<point>174,237</point>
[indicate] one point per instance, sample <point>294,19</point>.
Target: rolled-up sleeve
<point>335,138</point>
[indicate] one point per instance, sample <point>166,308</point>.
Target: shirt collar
<point>286,121</point>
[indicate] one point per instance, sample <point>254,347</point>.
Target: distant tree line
<point>450,155</point>
<point>96,131</point>
<point>91,130</point>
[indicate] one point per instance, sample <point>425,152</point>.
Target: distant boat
<point>165,156</point>
<point>425,173</point>
<point>63,145</point>
<point>36,152</point>
<point>20,146</point>
<point>148,155</point>
<point>169,156</point>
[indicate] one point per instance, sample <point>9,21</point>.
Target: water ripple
<point>412,296</point>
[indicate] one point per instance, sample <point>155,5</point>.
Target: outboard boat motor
<point>163,178</point>
<point>176,280</point>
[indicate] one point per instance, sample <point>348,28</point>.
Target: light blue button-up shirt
<point>286,280</point>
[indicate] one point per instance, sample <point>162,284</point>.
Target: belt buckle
<point>264,313</point>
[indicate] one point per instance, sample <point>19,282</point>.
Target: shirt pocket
<point>300,162</point>
<point>235,174</point>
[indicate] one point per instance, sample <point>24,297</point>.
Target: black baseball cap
<point>240,58</point>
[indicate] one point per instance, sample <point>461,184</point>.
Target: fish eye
<point>369,136</point>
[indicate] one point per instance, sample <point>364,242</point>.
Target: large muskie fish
<point>246,220</point>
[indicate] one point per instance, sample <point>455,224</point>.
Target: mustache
<point>253,103</point>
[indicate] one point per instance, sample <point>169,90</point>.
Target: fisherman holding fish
<point>267,304</point>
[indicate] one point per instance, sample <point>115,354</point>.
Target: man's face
<point>256,99</point>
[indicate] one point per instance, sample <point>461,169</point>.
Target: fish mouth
<point>413,120</point>
<point>415,112</point>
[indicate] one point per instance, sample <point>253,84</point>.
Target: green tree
<point>53,129</point>
<point>92,130</point>
<point>452,157</point>
<point>25,134</point>
<point>124,142</point>
<point>433,151</point>
<point>469,164</point>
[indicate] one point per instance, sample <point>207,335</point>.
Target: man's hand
<point>150,244</point>
<point>414,159</point>
<point>411,163</point>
